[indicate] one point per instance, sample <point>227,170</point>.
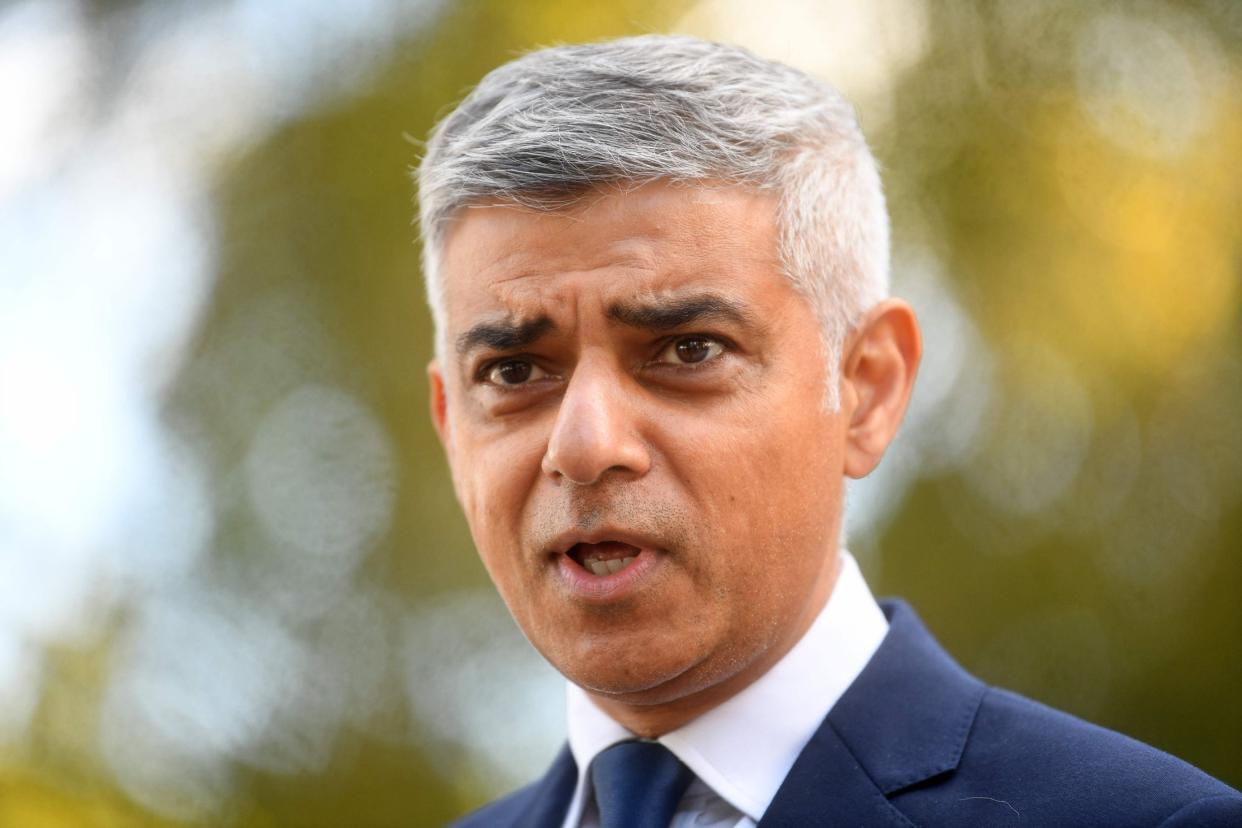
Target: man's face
<point>632,385</point>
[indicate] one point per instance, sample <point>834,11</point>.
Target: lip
<point>602,589</point>
<point>565,541</point>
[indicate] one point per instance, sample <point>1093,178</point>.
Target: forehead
<point>653,240</point>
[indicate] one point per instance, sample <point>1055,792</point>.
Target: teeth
<point>598,567</point>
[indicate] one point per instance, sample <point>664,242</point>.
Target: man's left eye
<point>690,350</point>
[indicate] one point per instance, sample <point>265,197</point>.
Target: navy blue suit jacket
<point>916,740</point>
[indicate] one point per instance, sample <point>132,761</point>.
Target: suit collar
<point>907,716</point>
<point>904,720</point>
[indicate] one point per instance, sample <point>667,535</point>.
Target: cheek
<point>766,467</point>
<point>769,493</point>
<point>494,477</point>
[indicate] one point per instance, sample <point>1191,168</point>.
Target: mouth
<point>606,557</point>
<point>607,565</point>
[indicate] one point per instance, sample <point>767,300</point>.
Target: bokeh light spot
<point>320,473</point>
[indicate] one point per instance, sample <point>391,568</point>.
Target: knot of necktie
<point>638,785</point>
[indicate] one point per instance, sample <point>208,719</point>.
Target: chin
<point>637,680</point>
<point>646,684</point>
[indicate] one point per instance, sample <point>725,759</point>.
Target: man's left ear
<point>877,376</point>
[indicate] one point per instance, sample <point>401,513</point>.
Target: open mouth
<point>605,557</point>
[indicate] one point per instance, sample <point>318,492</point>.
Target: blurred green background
<point>234,586</point>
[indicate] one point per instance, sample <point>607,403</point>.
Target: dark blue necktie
<point>638,785</point>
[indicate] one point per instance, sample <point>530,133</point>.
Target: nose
<point>596,430</point>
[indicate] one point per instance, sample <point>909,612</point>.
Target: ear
<point>439,405</point>
<point>877,377</point>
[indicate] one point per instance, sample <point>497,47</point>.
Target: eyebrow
<point>657,316</point>
<point>670,314</point>
<point>506,335</point>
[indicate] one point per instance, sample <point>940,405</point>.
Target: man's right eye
<point>511,372</point>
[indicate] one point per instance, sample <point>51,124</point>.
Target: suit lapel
<point>904,720</point>
<point>550,798</point>
<point>826,787</point>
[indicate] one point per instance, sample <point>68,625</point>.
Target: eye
<point>690,350</point>
<point>511,372</point>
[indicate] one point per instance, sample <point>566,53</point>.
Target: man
<point>658,270</point>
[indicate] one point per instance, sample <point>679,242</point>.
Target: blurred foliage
<point>1102,272</point>
<point>1125,260</point>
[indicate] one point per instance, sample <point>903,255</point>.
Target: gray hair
<point>546,129</point>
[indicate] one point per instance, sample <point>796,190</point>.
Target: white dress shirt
<point>742,750</point>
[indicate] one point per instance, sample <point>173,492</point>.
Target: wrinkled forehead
<point>656,240</point>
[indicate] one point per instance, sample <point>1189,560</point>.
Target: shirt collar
<point>743,749</point>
